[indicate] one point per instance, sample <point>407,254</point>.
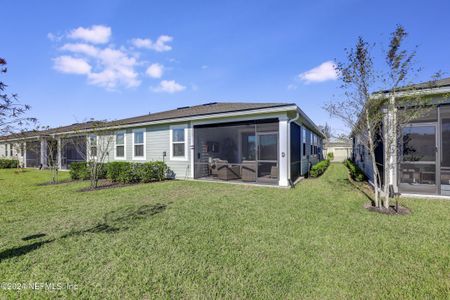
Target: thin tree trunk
<point>391,139</point>
<point>372,155</point>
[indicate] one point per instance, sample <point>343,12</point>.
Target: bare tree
<point>99,143</point>
<point>12,113</point>
<point>404,102</point>
<point>357,110</point>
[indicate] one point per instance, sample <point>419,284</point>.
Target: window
<point>11,149</point>
<point>6,149</point>
<point>304,141</point>
<point>120,145</point>
<point>93,145</point>
<point>178,142</point>
<point>22,149</point>
<point>139,144</point>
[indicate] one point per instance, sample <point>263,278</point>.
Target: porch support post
<point>43,152</point>
<point>24,154</point>
<point>59,153</point>
<point>284,151</point>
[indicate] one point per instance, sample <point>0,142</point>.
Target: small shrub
<point>114,169</point>
<point>79,170</point>
<point>355,172</point>
<point>330,156</point>
<point>154,171</point>
<point>319,168</point>
<point>130,173</point>
<point>8,163</point>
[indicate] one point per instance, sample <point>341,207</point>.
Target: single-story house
<point>422,165</point>
<point>264,143</point>
<point>340,147</point>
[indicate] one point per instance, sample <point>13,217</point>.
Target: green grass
<point>195,240</point>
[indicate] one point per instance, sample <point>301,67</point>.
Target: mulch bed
<point>106,184</point>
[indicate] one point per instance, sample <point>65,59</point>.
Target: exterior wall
<point>17,153</point>
<point>362,157</point>
<point>157,141</point>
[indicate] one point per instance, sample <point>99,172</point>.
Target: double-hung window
<point>139,144</point>
<point>120,145</point>
<point>11,150</point>
<point>304,141</point>
<point>6,150</point>
<point>178,142</point>
<point>93,145</point>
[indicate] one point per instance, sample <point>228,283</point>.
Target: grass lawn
<point>196,239</point>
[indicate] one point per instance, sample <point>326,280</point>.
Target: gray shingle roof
<point>445,82</point>
<point>182,112</point>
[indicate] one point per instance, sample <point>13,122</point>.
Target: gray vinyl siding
<point>157,141</point>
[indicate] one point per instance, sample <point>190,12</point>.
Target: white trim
<point>144,131</point>
<point>90,156</point>
<point>124,145</point>
<point>185,128</point>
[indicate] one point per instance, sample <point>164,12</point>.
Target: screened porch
<point>239,152</point>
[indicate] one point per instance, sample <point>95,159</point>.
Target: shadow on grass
<point>33,236</point>
<point>22,250</point>
<point>112,222</point>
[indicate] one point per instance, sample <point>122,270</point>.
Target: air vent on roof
<point>210,103</point>
<point>183,107</point>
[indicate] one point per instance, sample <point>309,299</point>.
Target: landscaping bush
<point>355,172</point>
<point>127,172</point>
<point>330,156</point>
<point>114,169</point>
<point>319,168</point>
<point>130,173</point>
<point>9,163</point>
<point>79,170</point>
<point>154,171</point>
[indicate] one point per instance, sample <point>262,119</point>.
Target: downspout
<point>289,147</point>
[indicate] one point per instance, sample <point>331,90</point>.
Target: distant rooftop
<point>445,82</point>
<point>181,112</point>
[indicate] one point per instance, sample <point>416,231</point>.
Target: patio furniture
<point>248,170</point>
<point>274,172</point>
<point>213,165</point>
<point>225,171</point>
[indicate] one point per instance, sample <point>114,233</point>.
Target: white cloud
<point>291,87</point>
<point>169,86</point>
<point>117,68</point>
<point>159,46</point>
<point>97,34</point>
<point>155,70</point>
<point>71,65</point>
<point>81,48</point>
<point>324,72</point>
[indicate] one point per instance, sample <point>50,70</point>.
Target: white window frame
<point>143,130</point>
<point>304,150</point>
<point>172,128</point>
<point>90,146</point>
<point>124,157</point>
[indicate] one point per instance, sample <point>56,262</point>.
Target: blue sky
<point>75,60</point>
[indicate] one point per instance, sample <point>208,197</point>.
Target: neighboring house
<point>266,143</point>
<point>422,165</point>
<point>341,149</point>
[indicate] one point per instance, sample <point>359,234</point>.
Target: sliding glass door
<point>418,159</point>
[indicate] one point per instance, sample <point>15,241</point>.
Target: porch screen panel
<point>74,150</point>
<point>242,151</point>
<point>33,151</point>
<point>445,150</point>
